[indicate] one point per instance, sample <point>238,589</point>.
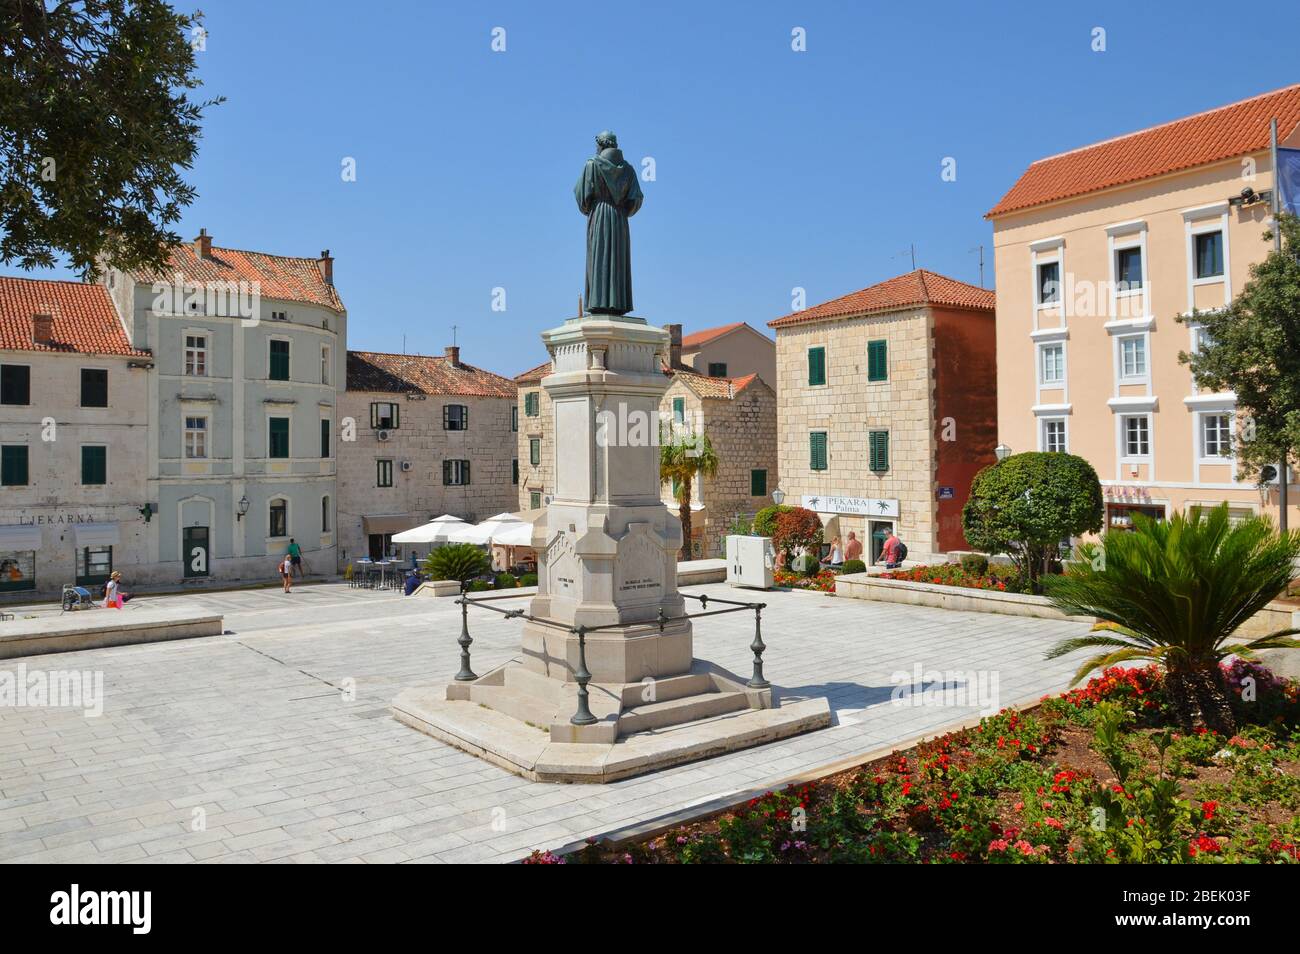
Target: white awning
<point>20,537</point>
<point>435,531</point>
<point>97,535</point>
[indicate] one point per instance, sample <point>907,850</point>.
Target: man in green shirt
<point>295,556</point>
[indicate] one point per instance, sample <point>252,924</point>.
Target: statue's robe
<point>608,195</point>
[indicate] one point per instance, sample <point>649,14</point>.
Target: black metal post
<point>662,620</point>
<point>583,716</point>
<point>466,674</point>
<point>757,681</point>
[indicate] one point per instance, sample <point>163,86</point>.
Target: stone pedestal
<point>607,564</point>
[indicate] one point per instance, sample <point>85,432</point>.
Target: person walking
<point>894,552</point>
<point>114,598</point>
<point>835,558</point>
<point>286,573</point>
<point>853,548</point>
<point>295,556</point>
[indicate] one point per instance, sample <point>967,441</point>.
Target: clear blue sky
<point>775,169</point>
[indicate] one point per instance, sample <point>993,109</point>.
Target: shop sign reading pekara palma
<point>856,506</point>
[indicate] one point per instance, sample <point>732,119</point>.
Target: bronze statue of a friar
<point>608,194</point>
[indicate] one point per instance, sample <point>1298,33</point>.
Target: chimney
<point>326,264</point>
<point>453,355</point>
<point>203,244</point>
<point>674,346</point>
<point>43,329</point>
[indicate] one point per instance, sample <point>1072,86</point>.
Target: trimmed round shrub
<point>764,524</point>
<point>853,566</point>
<point>528,579</point>
<point>977,564</point>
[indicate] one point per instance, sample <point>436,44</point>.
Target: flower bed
<point>1094,775</point>
<point>823,581</point>
<point>1003,579</point>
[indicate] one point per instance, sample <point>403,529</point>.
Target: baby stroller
<point>76,598</point>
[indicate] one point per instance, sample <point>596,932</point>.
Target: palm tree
<point>1174,592</point>
<point>682,458</point>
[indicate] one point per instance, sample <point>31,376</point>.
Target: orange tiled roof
<point>85,321</point>
<point>281,277</point>
<point>534,375</point>
<point>920,287</point>
<point>720,388</point>
<point>398,373</point>
<point>699,339</point>
<point>1223,133</point>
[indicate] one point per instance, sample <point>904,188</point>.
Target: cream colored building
<point>887,409</point>
<point>1098,251</point>
<point>432,436</point>
<point>732,350</point>
<point>535,422</point>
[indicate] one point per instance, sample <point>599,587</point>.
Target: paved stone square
<point>278,736</point>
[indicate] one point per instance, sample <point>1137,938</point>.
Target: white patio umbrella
<point>436,530</point>
<point>484,532</point>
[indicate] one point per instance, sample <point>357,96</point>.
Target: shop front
<point>872,518</point>
<point>19,545</point>
<point>1125,501</point>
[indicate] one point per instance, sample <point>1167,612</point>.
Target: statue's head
<point>606,140</point>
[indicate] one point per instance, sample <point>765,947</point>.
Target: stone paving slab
<point>274,743</point>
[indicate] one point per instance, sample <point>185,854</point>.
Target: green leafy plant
<point>798,529</point>
<point>1108,739</point>
<point>853,566</point>
<point>684,456</point>
<point>1173,592</point>
<point>456,561</point>
<point>1026,505</point>
<point>765,519</point>
<point>977,564</point>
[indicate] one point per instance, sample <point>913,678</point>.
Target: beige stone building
<point>536,438</point>
<point>1098,251</point>
<point>728,351</point>
<point>432,435</point>
<point>887,409</point>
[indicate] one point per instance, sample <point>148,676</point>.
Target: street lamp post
<point>778,496</point>
<point>1002,452</point>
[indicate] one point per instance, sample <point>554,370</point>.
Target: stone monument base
<point>519,720</point>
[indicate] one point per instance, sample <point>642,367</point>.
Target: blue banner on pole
<point>1288,179</point>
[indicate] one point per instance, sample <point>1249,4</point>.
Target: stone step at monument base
<point>674,712</point>
<point>529,751</point>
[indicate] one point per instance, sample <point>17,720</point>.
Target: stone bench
<point>96,628</point>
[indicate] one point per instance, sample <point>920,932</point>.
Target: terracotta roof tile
<point>919,287</point>
<point>699,339</point>
<point>715,388</point>
<point>399,373</point>
<point>534,375</point>
<point>1223,133</point>
<point>280,277</point>
<point>85,321</point>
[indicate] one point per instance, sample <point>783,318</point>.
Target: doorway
<point>194,546</point>
<point>379,545</point>
<point>880,531</point>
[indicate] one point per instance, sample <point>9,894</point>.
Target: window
<point>196,437</point>
<point>279,360</point>
<point>384,416</point>
<point>455,473</point>
<point>878,360</point>
<point>878,450</point>
<point>13,465</point>
<point>1201,338</point>
<point>1049,283</point>
<point>816,366</point>
<point>1216,435</point>
<point>1137,436</point>
<point>455,417</point>
<point>1054,436</point>
<point>278,518</point>
<point>279,316</point>
<point>514,417</point>
<point>514,471</point>
<point>324,364</point>
<point>384,472</point>
<point>534,500</point>
<point>17,570</point>
<point>15,384</point>
<point>94,565</point>
<point>679,410</point>
<point>277,437</point>
<point>531,403</point>
<point>817,450</point>
<point>324,437</point>
<point>1128,268</point>
<point>94,387</point>
<point>717,369</point>
<point>1051,364</point>
<point>1133,357</point>
<point>325,514</point>
<point>196,355</point>
<point>534,451</point>
<point>1208,249</point>
<point>758,483</point>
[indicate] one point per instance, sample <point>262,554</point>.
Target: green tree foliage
<point>765,519</point>
<point>683,456</point>
<point>1253,350</point>
<point>798,529</point>
<point>1174,592</point>
<point>1027,504</point>
<point>95,126</point>
<point>456,561</point>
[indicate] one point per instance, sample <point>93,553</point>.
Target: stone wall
<point>539,479</point>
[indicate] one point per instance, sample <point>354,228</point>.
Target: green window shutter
<point>816,366</point>
<point>530,404</point>
<point>514,471</point>
<point>534,501</point>
<point>758,483</point>
<point>279,370</point>
<point>817,450</point>
<point>324,438</point>
<point>464,472</point>
<point>94,465</point>
<point>878,445</point>
<point>877,361</point>
<point>446,473</point>
<point>679,410</point>
<point>13,466</point>
<point>278,437</point>
<point>534,451</point>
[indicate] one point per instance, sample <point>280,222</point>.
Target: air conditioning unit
<point>384,435</point>
<point>751,562</point>
<point>1268,475</point>
<point>406,466</point>
<point>546,499</point>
